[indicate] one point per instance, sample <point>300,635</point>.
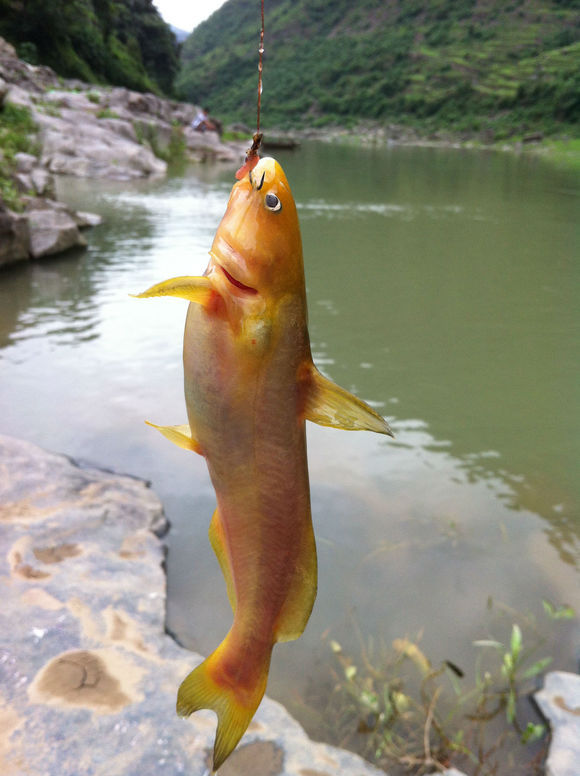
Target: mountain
<point>180,35</point>
<point>496,66</point>
<point>121,42</point>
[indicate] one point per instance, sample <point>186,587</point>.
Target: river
<point>443,289</point>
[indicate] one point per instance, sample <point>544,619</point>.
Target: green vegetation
<point>17,134</point>
<point>497,69</point>
<point>121,42</point>
<point>173,152</point>
<point>398,710</point>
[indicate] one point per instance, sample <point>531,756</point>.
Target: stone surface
<point>88,677</point>
<point>103,132</point>
<point>559,702</point>
<point>53,231</point>
<point>14,237</point>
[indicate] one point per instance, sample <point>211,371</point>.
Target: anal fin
<point>302,593</point>
<point>218,543</point>
<point>327,404</point>
<point>179,435</point>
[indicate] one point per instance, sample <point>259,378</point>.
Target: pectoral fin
<point>179,435</point>
<point>330,405</point>
<point>194,289</point>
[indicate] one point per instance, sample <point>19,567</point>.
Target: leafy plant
<point>17,134</point>
<point>397,709</point>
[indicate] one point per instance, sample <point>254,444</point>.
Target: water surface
<point>443,289</point>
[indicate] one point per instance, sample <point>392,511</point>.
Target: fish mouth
<point>238,283</point>
<point>223,253</point>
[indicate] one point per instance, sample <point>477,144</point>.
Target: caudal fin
<point>205,688</point>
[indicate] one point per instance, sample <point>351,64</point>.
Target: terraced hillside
<point>505,67</point>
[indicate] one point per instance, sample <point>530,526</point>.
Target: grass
<point>106,113</point>
<point>172,153</point>
<point>17,134</point>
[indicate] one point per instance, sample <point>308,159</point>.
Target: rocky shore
<point>88,675</point>
<point>87,131</point>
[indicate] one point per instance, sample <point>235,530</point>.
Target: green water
<point>442,288</point>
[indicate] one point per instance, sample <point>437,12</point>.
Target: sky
<point>186,14</point>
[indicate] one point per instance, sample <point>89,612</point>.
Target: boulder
<point>25,162</point>
<point>42,182</point>
<point>53,231</point>
<point>14,237</point>
<point>85,220</point>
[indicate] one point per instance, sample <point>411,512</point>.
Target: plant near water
<point>398,710</point>
<point>17,134</point>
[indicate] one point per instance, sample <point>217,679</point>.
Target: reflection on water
<point>442,289</point>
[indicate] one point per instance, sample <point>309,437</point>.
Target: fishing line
<point>260,67</point>
<point>252,152</point>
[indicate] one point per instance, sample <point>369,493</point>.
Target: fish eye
<point>273,203</point>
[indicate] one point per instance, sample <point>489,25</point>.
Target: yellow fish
<point>250,384</point>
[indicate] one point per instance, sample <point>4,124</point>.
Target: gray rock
<point>559,702</point>
<point>23,182</point>
<point>85,146</point>
<point>53,231</point>
<point>25,162</point>
<point>16,95</point>
<point>3,90</point>
<point>88,677</point>
<point>42,182</point>
<point>84,220</point>
<point>14,237</point>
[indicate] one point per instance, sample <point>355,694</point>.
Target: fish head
<point>257,250</point>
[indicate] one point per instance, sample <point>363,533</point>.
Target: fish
<point>250,385</point>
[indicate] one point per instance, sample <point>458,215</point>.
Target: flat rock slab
<point>88,676</point>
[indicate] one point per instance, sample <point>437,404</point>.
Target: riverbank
<point>52,126</point>
<point>85,659</point>
<point>561,150</point>
<point>89,675</point>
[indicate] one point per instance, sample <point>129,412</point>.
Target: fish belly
<point>244,414</point>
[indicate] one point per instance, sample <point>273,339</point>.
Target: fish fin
<point>179,435</point>
<point>207,687</point>
<point>327,404</point>
<point>217,541</point>
<point>301,594</point>
<point>194,289</point>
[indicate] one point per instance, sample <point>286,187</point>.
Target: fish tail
<point>209,687</point>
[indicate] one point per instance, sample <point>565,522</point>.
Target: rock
<point>14,237</point>
<point>206,145</point>
<point>559,702</point>
<point>84,220</point>
<point>88,676</point>
<point>23,182</point>
<point>90,131</point>
<point>53,231</point>
<point>42,182</point>
<point>25,162</point>
<point>88,147</point>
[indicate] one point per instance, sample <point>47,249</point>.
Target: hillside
<point>487,66</point>
<point>120,42</point>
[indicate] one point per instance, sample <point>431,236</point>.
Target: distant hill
<point>121,42</point>
<point>180,35</point>
<point>501,66</point>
